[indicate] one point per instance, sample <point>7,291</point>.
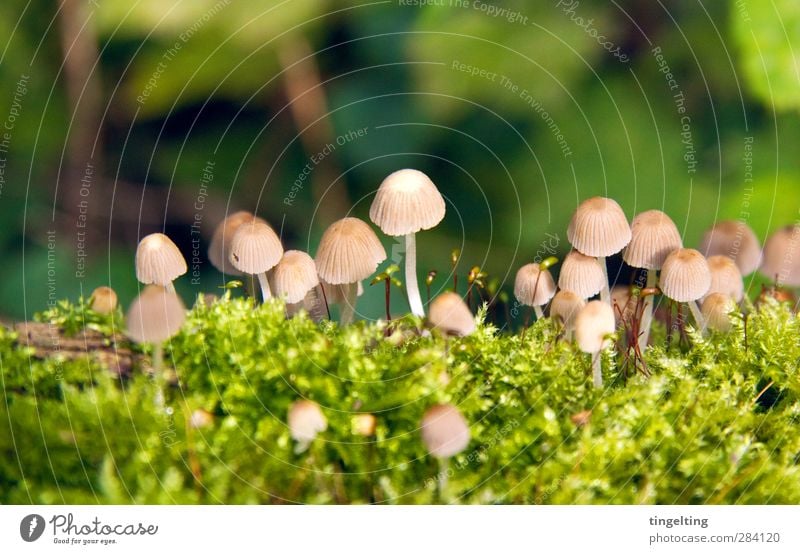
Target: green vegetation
<point>715,423</point>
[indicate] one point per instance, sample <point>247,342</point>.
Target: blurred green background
<point>121,118</point>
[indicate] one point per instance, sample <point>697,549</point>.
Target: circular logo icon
<point>31,527</point>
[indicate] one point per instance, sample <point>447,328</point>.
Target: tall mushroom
<point>407,202</point>
<point>600,229</point>
<point>736,240</point>
<point>582,275</point>
<point>254,250</point>
<point>348,253</point>
<point>534,286</point>
<point>155,316</point>
<point>593,325</point>
<point>781,261</point>
<point>445,433</point>
<point>219,251</point>
<point>296,282</point>
<point>653,236</point>
<point>158,261</point>
<point>685,277</point>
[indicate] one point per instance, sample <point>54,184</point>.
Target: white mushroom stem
<point>605,292</point>
<point>266,294</point>
<point>158,357</point>
<point>647,314</point>
<point>539,312</point>
<point>697,315</point>
<point>597,370</point>
<point>348,309</point>
<point>444,469</point>
<point>170,287</point>
<point>412,286</point>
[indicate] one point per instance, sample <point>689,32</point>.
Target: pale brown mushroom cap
<point>103,300</point>
<point>155,315</point>
<point>306,421</point>
<point>534,286</point>
<point>294,276</point>
<point>407,201</point>
<point>565,307</point>
<point>364,424</point>
<point>158,260</point>
<point>781,261</point>
<point>716,310</point>
<point>255,248</point>
<point>581,274</point>
<point>685,276</point>
<point>445,431</point>
<point>336,294</point>
<point>599,228</point>
<point>593,325</point>
<point>736,240</point>
<point>450,315</point>
<point>725,277</point>
<point>219,251</point>
<point>348,252</point>
<point>653,236</point>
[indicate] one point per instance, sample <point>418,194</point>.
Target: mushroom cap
<point>725,277</point>
<point>158,260</point>
<point>592,325</point>
<point>407,201</point>
<point>445,432</point>
<point>364,424</point>
<point>294,276</point>
<point>305,420</point>
<point>219,251</point>
<point>155,315</point>
<point>716,310</point>
<point>533,285</point>
<point>599,228</point>
<point>653,236</point>
<point>335,294</point>
<point>565,306</point>
<point>685,276</point>
<point>103,300</point>
<point>736,240</point>
<point>255,248</point>
<point>449,314</point>
<point>348,252</point>
<point>622,302</point>
<point>781,260</point>
<point>581,274</point>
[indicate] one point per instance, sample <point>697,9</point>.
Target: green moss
<point>715,423</point>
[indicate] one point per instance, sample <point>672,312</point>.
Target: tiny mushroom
<point>407,202</point>
<point>158,261</point>
<point>717,308</point>
<point>599,229</point>
<point>306,421</point>
<point>364,424</point>
<point>296,281</point>
<point>736,240</point>
<point>653,236</point>
<point>581,274</point>
<point>534,286</point>
<point>445,432</point>
<point>155,316</point>
<point>219,251</point>
<point>593,325</point>
<point>725,277</point>
<point>685,277</point>
<point>254,250</point>
<point>348,253</point>
<point>451,316</point>
<point>781,261</point>
<point>565,307</point>
<point>103,300</point>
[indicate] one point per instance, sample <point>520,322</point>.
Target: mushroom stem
<point>170,287</point>
<point>266,294</point>
<point>444,469</point>
<point>412,286</point>
<point>597,370</point>
<point>698,316</point>
<point>158,358</point>
<point>647,314</point>
<point>348,311</point>
<point>539,312</point>
<point>605,292</point>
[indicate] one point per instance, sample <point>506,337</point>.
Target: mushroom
<point>582,275</point>
<point>451,316</point>
<point>725,277</point>
<point>653,236</point>
<point>155,316</point>
<point>348,253</point>
<point>158,261</point>
<point>600,229</point>
<point>254,250</point>
<point>623,303</point>
<point>296,282</point>
<point>103,300</point>
<point>534,286</point>
<point>306,421</point>
<point>565,307</point>
<point>736,240</point>
<point>219,251</point>
<point>364,424</point>
<point>445,433</point>
<point>781,261</point>
<point>593,325</point>
<point>717,308</point>
<point>407,202</point>
<point>685,277</point>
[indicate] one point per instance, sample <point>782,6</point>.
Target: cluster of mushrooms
<point>408,202</point>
